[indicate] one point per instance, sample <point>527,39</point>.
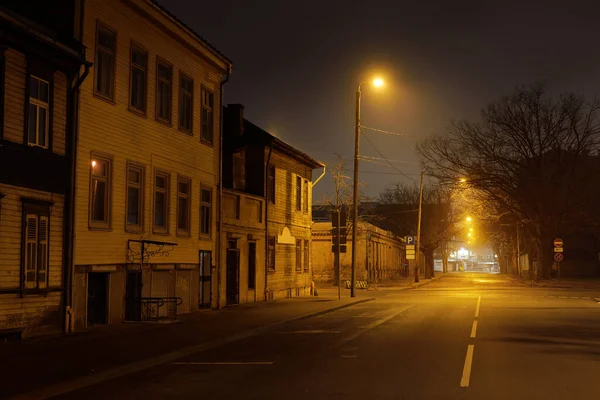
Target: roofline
<point>182,25</point>
<point>308,160</point>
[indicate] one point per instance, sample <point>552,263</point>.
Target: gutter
<point>267,219</point>
<point>320,177</point>
<point>70,245</point>
<point>220,190</point>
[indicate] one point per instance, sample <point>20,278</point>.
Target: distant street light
<point>469,219</point>
<point>378,82</point>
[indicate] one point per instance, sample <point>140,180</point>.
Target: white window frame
<point>38,103</point>
<point>36,249</point>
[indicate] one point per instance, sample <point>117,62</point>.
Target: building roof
<point>253,132</point>
<point>190,30</point>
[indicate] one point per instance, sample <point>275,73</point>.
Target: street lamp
<point>378,82</point>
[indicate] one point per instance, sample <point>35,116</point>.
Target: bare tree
<point>398,213</point>
<point>529,158</point>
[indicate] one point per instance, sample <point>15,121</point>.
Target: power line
<point>386,173</point>
<point>381,154</point>
<point>393,161</point>
<point>392,133</point>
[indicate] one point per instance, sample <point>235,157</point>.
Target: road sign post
<point>338,239</point>
<point>558,253</point>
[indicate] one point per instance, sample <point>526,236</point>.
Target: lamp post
<point>377,82</point>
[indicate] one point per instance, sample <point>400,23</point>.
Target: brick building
<point>148,160</point>
<point>380,254</point>
<point>257,163</point>
<point>40,61</point>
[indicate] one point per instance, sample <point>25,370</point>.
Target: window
<point>271,254</point>
<point>306,256</point>
<point>138,78</point>
<point>38,112</point>
<point>298,193</point>
<point>36,240</point>
<point>161,202</point>
<point>105,62</point>
<point>164,75</point>
<point>298,255</point>
<point>205,211</point>
<point>184,198</point>
<point>271,184</point>
<point>100,186</point>
<point>186,90</point>
<point>135,197</point>
<point>206,133</point>
<point>305,201</point>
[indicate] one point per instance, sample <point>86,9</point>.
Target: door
<point>252,265</point>
<point>97,307</point>
<point>133,296</point>
<point>205,274</point>
<point>233,273</point>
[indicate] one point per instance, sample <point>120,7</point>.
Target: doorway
<point>97,307</point>
<point>205,276</point>
<point>233,273</point>
<point>133,295</point>
<point>252,265</point>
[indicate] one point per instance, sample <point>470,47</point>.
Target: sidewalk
<point>394,284</point>
<point>564,283</point>
<point>39,363</point>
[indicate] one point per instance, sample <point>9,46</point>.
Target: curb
<point>141,365</point>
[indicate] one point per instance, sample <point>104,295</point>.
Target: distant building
<point>40,62</point>
<point>147,166</point>
<point>380,254</point>
<point>257,165</point>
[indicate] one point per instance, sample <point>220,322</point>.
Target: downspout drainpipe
<point>267,220</point>
<point>220,190</point>
<point>70,247</point>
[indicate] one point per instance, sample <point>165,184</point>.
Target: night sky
<point>297,65</point>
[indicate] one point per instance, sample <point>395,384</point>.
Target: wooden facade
<point>148,158</point>
<point>260,164</point>
<point>39,66</point>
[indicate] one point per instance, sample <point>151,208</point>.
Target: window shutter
<point>31,238</point>
<point>42,265</point>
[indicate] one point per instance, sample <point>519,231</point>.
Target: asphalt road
<point>466,336</point>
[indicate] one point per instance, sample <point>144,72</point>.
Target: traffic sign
<point>559,257</point>
<point>558,249</point>
<point>558,242</point>
<point>409,240</point>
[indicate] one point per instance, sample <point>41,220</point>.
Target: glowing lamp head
<point>463,180</point>
<point>93,163</point>
<point>469,219</point>
<point>378,82</point>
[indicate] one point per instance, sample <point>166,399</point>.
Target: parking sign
<point>409,240</point>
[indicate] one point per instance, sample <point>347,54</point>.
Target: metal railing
<point>151,308</point>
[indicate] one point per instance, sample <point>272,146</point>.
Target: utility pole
<point>417,255</point>
<point>355,194</point>
<point>518,252</point>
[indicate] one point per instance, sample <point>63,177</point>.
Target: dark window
<point>105,62</point>
<point>271,254</point>
<point>271,184</point>
<point>306,256</point>
<point>205,211</point>
<point>183,206</point>
<point>207,123</point>
<point>305,200</point>
<point>298,255</point>
<point>36,246</point>
<point>139,79</point>
<point>100,192</point>
<point>186,101</point>
<point>164,78</point>
<point>298,193</point>
<point>252,265</point>
<point>161,202</point>
<point>38,112</point>
<point>135,197</point>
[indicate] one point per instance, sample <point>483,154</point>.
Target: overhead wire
<point>381,154</point>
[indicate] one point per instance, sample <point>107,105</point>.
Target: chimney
<point>236,119</point>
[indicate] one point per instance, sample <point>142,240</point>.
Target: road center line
<point>226,363</point>
<point>474,329</point>
<point>477,308</point>
<point>466,375</point>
